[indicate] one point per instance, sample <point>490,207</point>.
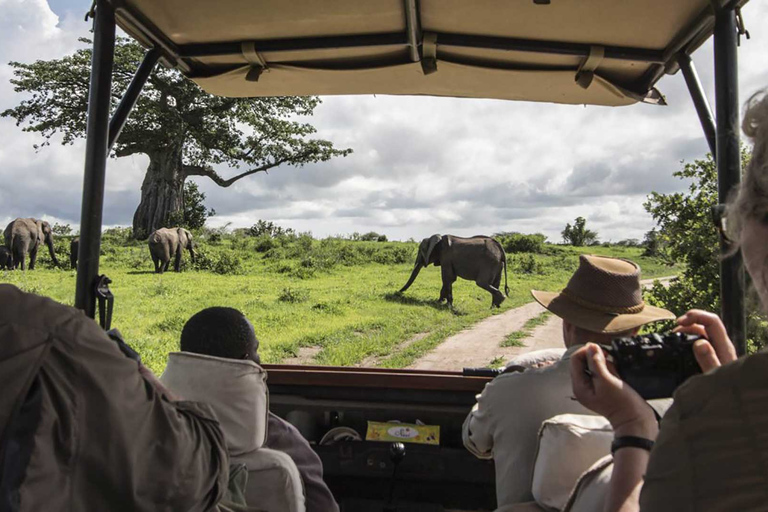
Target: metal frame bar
<point>132,95</point>
<point>703,110</point>
<point>413,28</point>
<point>729,168</point>
<point>96,153</point>
<point>399,39</point>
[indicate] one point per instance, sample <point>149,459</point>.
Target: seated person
<point>602,300</point>
<point>711,448</point>
<point>83,427</point>
<point>226,333</point>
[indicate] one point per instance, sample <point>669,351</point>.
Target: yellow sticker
<point>403,432</point>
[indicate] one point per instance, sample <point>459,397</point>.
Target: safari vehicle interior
<point>592,52</point>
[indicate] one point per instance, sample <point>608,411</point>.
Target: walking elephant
<point>24,236</point>
<point>6,262</point>
<point>167,243</point>
<point>74,247</point>
<point>480,259</point>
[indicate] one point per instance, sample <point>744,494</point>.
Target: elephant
<point>24,236</point>
<point>480,259</point>
<point>74,246</point>
<point>6,262</point>
<point>167,243</point>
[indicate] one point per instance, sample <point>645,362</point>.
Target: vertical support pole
<point>699,100</point>
<point>96,153</point>
<point>131,95</point>
<point>729,168</point>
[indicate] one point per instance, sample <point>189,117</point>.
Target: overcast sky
<point>420,165</point>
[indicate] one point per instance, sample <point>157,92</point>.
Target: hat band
<point>627,310</point>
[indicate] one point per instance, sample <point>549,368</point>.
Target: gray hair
<point>752,199</point>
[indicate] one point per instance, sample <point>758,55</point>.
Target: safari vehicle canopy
<point>595,52</point>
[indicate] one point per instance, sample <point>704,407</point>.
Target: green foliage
<point>652,243</point>
<point>371,236</point>
<point>61,229</point>
<point>525,264</point>
<point>686,234</point>
<point>578,235</point>
<point>293,295</point>
<point>519,242</point>
<point>268,228</point>
<point>194,214</point>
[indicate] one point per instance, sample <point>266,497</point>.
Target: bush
<point>263,227</point>
<point>527,264</point>
<point>519,242</point>
<point>264,243</point>
<point>223,263</point>
<point>293,296</point>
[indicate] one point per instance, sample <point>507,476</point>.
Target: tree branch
<point>130,149</point>
<point>199,170</point>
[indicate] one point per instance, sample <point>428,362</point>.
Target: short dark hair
<point>219,332</point>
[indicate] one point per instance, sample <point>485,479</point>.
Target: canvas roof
<point>601,52</point>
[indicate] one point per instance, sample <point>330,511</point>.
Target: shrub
<point>293,296</point>
<point>519,242</point>
<point>527,264</point>
<point>264,243</point>
<point>227,263</point>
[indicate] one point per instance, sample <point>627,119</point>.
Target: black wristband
<point>631,442</point>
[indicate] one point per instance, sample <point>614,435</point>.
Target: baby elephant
<point>168,243</point>
<point>6,262</point>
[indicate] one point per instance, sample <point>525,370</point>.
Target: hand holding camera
<point>597,384</point>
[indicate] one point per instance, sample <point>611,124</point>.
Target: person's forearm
<point>629,465</point>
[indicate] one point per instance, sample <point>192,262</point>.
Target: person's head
<point>603,300</point>
<point>220,332</point>
<point>748,214</point>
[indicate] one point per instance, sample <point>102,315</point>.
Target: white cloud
<point>420,166</point>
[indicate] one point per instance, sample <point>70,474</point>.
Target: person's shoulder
<point>34,312</point>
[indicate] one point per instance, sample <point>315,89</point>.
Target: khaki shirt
<point>505,422</point>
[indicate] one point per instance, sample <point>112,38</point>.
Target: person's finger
<point>581,382</point>
<point>696,329</point>
<point>715,330</point>
<point>596,362</point>
<point>705,355</point>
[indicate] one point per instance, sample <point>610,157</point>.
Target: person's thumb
<point>705,355</point>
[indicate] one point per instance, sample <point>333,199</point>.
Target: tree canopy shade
<point>183,130</point>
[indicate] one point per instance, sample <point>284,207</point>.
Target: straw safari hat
<point>604,295</point>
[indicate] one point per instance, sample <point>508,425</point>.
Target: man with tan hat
<point>602,300</point>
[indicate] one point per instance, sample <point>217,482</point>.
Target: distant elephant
<point>480,259</point>
<point>74,246</point>
<point>6,262</point>
<point>167,243</point>
<point>24,236</point>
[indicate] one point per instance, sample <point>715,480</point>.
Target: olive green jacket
<point>81,429</point>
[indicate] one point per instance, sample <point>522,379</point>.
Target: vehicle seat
<point>569,446</point>
<point>237,391</point>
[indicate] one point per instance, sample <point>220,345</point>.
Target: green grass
<point>332,299</point>
<point>515,339</point>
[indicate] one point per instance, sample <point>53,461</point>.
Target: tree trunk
<point>162,192</point>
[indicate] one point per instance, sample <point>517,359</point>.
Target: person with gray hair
<point>711,451</point>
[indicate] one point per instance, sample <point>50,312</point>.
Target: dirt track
<point>481,343</point>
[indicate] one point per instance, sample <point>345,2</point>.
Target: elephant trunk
<point>49,243</point>
<point>414,273</point>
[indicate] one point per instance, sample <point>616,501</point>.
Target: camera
<point>655,364</point>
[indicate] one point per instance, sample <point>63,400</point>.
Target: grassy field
<point>334,295</point>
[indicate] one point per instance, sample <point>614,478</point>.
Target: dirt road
<point>481,343</point>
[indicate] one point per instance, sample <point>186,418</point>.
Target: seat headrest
<point>236,389</point>
<point>569,444</point>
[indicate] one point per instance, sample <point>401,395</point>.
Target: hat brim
<point>598,321</point>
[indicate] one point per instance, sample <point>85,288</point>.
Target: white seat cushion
<point>590,491</point>
<point>274,482</point>
<point>569,444</point>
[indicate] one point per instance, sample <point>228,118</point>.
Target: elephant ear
<point>431,244</point>
<point>40,230</point>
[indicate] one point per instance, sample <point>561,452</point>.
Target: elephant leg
<point>177,261</point>
<point>446,293</point>
<point>164,266</point>
<point>32,258</point>
<point>496,296</point>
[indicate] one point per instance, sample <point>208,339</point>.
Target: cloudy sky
<point>420,165</point>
